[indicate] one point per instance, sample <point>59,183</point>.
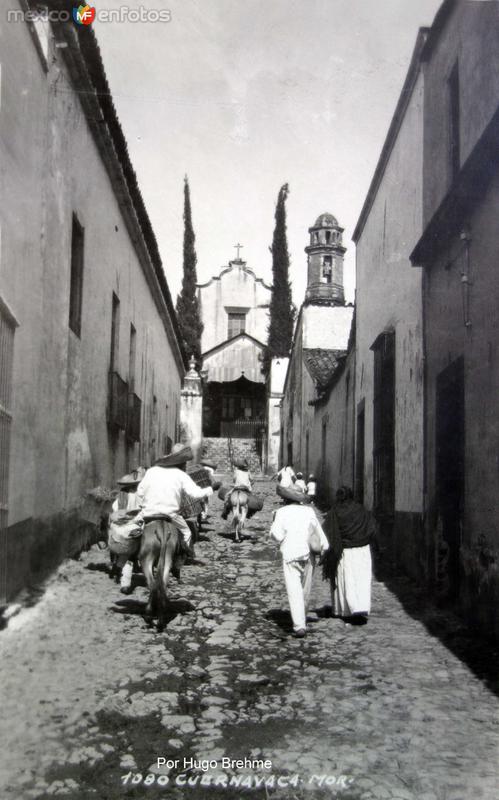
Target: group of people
<point>287,477</point>
<point>341,544</point>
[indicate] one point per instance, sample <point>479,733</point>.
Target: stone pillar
<point>191,410</point>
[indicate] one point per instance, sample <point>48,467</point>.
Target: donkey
<point>162,551</point>
<point>239,505</point>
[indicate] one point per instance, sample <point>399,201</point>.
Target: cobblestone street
<point>91,696</point>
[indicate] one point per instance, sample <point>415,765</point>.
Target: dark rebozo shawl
<point>348,524</point>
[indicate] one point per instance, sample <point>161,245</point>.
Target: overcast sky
<point>245,95</point>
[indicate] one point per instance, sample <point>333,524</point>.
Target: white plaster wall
<point>327,327</point>
<point>235,287</point>
<point>229,363</point>
<point>61,445</point>
<point>278,369</point>
<point>388,295</point>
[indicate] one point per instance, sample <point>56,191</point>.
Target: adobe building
<point>320,343</point>
<point>458,252</point>
<point>91,368</point>
<point>234,308</point>
<point>389,373</point>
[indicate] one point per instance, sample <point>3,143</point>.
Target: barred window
<point>237,324</point>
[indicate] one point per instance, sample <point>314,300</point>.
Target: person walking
<point>124,531</point>
<point>286,476</point>
<point>312,487</point>
<point>210,468</point>
<point>297,530</point>
<point>300,483</point>
<point>350,529</point>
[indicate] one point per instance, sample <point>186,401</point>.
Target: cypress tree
<point>282,310</point>
<point>188,314</point>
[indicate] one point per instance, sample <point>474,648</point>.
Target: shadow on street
<point>480,655</point>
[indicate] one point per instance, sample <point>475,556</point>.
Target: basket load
<point>191,508</point>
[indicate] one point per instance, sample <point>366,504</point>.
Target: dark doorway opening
<point>234,409</point>
<point>360,452</point>
<point>384,434</point>
<point>450,432</point>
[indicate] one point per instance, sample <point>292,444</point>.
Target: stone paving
<point>91,696</point>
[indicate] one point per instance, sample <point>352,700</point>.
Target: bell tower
<point>325,255</point>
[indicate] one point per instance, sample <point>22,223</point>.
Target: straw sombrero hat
<point>179,455</point>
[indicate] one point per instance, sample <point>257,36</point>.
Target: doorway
<point>450,433</point>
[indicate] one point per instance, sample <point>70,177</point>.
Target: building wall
<point>389,295</point>
<point>292,401</point>
<point>469,38</point>
<point>60,442</point>
<point>235,287</point>
<point>327,327</point>
<point>242,356</point>
<point>470,32</point>
<point>447,340</point>
<point>275,388</point>
<point>335,415</point>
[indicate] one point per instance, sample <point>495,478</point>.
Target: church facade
<point>234,307</point>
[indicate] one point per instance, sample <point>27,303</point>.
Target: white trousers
<point>298,578</point>
<point>183,527</point>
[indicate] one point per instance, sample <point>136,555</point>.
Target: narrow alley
<point>92,697</point>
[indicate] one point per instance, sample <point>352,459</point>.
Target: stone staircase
<point>220,450</point>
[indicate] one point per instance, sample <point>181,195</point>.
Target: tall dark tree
<point>188,314</point>
<point>282,310</point>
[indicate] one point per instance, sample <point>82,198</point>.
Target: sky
<point>246,95</point>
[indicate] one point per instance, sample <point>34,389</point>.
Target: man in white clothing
<point>286,476</point>
<point>295,527</point>
<point>159,493</point>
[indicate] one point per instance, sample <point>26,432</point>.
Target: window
<point>237,324</point>
<point>115,332</point>
<point>454,122</point>
<point>131,359</point>
<point>76,285</point>
<point>328,237</point>
<point>7,327</point>
<point>327,269</point>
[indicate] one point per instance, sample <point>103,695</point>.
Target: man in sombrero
<point>301,539</point>
<point>159,494</point>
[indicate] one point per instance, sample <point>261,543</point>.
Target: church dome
<point>326,221</point>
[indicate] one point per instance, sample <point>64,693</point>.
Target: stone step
<point>219,450</point>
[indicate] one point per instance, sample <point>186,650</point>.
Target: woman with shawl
<point>350,530</point>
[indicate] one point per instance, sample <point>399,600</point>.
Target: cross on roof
<point>238,246</point>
